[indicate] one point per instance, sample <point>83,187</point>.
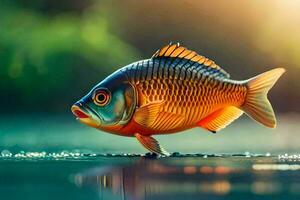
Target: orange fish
<point>176,89</point>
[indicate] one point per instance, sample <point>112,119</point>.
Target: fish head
<point>108,106</point>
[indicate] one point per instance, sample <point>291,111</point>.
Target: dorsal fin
<point>177,51</point>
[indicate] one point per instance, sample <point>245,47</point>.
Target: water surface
<point>76,176</point>
<point>55,157</point>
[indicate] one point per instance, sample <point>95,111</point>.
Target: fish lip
<point>76,108</point>
<point>88,112</point>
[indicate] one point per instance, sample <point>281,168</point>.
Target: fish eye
<point>101,97</point>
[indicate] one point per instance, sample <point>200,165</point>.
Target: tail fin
<point>257,105</point>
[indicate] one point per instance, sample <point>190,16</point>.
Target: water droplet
<point>247,154</point>
<point>6,153</point>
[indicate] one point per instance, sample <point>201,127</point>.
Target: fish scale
<point>168,85</point>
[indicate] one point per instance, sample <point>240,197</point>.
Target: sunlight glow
<point>280,167</point>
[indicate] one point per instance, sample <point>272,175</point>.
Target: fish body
<point>175,90</point>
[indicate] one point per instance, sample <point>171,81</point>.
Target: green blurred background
<point>53,51</point>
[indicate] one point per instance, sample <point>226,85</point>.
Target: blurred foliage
<point>46,60</point>
<point>53,51</point>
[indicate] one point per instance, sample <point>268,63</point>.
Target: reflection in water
<point>276,167</point>
<point>164,179</point>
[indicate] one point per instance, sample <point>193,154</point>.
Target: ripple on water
<point>69,155</point>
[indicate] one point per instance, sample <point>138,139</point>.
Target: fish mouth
<point>83,115</point>
<point>79,113</point>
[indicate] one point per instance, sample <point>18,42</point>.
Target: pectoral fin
<point>146,114</point>
<point>220,118</point>
<point>151,116</point>
<point>151,144</point>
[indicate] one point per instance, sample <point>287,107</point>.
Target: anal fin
<point>220,118</point>
<point>151,144</point>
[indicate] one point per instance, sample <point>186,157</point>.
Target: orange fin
<point>256,103</point>
<point>151,144</point>
<point>150,116</point>
<point>146,114</point>
<point>178,51</point>
<point>220,118</point>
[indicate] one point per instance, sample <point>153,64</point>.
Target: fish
<point>175,90</point>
